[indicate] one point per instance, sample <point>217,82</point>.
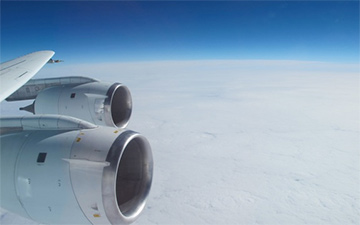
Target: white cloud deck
<point>244,142</point>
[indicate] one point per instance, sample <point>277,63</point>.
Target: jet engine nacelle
<point>96,102</point>
<point>62,170</point>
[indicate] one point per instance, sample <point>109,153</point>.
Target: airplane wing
<point>76,140</point>
<point>15,73</point>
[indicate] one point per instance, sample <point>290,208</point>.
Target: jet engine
<point>92,100</point>
<point>97,102</point>
<point>62,170</point>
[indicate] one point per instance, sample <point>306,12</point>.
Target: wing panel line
<point>13,65</point>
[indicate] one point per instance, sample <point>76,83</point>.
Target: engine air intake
<point>119,101</point>
<point>131,168</point>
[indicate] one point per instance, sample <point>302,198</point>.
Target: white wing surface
<point>15,73</point>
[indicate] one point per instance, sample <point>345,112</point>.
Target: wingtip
<point>50,52</point>
<point>43,53</point>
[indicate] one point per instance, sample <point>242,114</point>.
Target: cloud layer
<point>243,142</point>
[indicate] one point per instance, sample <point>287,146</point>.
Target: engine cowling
<point>63,170</point>
<point>100,103</point>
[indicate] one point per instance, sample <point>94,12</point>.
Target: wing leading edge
<point>15,73</point>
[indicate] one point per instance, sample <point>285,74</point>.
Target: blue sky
<point>104,31</point>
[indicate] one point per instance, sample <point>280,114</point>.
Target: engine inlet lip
<point>110,118</point>
<point>112,209</point>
